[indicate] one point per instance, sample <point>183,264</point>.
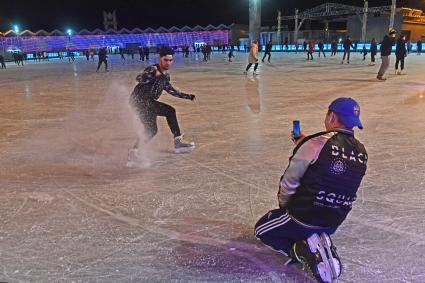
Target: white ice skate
<point>334,261</point>
<point>319,256</point>
<point>182,145</point>
<point>134,160</point>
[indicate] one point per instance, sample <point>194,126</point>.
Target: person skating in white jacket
<point>253,57</point>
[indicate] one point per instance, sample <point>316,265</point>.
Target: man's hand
<point>283,199</point>
<point>192,97</point>
<point>296,141</point>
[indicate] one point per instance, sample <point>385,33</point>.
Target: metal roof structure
<point>328,10</point>
<point>335,11</point>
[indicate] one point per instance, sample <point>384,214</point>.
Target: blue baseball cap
<point>348,111</point>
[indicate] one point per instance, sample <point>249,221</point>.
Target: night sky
<point>78,14</point>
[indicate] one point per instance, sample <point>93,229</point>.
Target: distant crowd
<point>130,52</point>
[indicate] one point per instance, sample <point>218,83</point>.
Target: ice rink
<point>71,211</point>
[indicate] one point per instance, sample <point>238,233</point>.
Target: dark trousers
<point>148,112</point>
<point>372,57</point>
<point>3,66</point>
<point>100,63</point>
<point>279,231</point>
<point>322,51</point>
<point>333,52</point>
<point>249,66</point>
<point>399,59</point>
<point>346,53</point>
<point>310,55</point>
<point>265,54</point>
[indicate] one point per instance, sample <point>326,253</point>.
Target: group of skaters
<point>18,58</point>
<point>401,52</point>
<point>143,51</point>
<point>403,48</point>
<point>206,50</point>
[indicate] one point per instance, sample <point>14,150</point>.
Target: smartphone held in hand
<point>296,129</point>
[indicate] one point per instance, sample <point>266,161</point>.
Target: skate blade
<point>184,149</point>
<point>335,267</point>
<point>134,164</point>
<point>324,268</point>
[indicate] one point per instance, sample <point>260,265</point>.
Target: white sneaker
<point>183,145</point>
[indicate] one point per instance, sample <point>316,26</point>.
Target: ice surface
<point>71,211</point>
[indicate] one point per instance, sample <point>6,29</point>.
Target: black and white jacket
<point>151,86</point>
<point>323,176</point>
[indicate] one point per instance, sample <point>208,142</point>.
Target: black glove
<point>192,97</point>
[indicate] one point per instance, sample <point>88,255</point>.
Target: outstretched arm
<point>174,92</point>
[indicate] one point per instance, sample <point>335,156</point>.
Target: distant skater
<point>373,52</point>
<point>102,59</point>
<point>334,47</point>
<point>3,65</point>
<point>230,55</point>
<point>400,53</point>
<point>310,50</point>
<point>268,51</point>
<point>321,46</point>
<point>386,47</point>
<point>252,58</point>
<point>347,49</point>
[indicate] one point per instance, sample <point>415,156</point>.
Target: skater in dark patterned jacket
<point>151,83</point>
<point>316,193</point>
